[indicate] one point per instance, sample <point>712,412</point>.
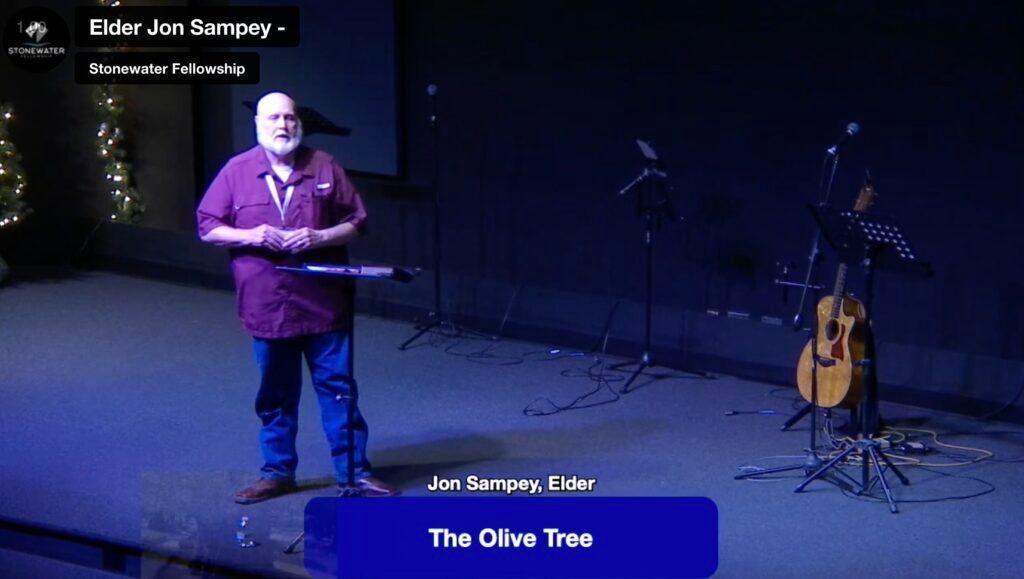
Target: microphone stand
<point>435,319</point>
<point>812,461</point>
<point>824,193</point>
<point>813,259</point>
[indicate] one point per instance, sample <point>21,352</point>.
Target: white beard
<point>279,148</point>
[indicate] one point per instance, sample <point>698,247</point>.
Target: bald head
<point>278,128</point>
<point>274,101</point>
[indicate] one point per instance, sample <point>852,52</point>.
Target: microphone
<point>432,95</point>
<point>851,130</point>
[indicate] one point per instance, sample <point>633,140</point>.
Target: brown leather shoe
<point>374,487</point>
<point>262,490</point>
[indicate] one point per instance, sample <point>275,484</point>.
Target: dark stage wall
<point>539,104</point>
<point>540,108</point>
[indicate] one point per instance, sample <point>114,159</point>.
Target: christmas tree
<point>12,182</point>
<point>12,176</point>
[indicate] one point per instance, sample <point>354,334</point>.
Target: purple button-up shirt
<point>274,303</point>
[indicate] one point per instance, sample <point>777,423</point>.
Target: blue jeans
<point>329,358</point>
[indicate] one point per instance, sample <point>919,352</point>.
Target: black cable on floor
<point>873,498</point>
<point>596,373</point>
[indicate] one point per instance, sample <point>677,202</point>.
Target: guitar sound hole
<point>831,330</point>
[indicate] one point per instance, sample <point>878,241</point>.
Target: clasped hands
<point>289,240</point>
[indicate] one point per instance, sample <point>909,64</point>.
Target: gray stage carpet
<point>127,417</point>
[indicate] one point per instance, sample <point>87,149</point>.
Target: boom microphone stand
<point>816,288</point>
<point>812,462</point>
<point>831,165</point>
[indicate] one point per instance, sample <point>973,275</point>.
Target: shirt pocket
<point>323,189</point>
<point>252,212</point>
<point>322,197</point>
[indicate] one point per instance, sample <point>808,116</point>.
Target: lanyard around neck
<point>281,207</point>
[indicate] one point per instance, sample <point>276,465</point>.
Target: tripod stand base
<point>812,462</point>
<point>797,417</point>
<point>295,543</point>
<point>348,491</point>
<point>640,365</point>
<point>643,363</point>
<point>420,330</point>
<point>435,323</point>
<point>871,457</point>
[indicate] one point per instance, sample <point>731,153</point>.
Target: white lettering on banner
<point>509,486</point>
<point>488,538</point>
<point>197,27</point>
<point>236,29</point>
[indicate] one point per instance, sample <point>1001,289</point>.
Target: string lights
<point>12,177</point>
<point>126,201</point>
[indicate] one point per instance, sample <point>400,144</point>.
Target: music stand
<point>873,241</point>
<point>653,204</point>
<point>399,274</point>
<point>341,272</point>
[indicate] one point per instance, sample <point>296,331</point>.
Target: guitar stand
<point>871,455</point>
<point>855,234</point>
<point>870,449</point>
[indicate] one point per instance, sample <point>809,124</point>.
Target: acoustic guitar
<point>841,335</point>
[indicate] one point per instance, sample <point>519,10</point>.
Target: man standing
<point>269,205</point>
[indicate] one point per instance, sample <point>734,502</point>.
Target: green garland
<point>127,202</point>
<point>126,199</point>
<point>12,177</point>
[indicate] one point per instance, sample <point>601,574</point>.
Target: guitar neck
<point>838,291</point>
<point>864,200</point>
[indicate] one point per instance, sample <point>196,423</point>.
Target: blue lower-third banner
<point>512,537</point>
